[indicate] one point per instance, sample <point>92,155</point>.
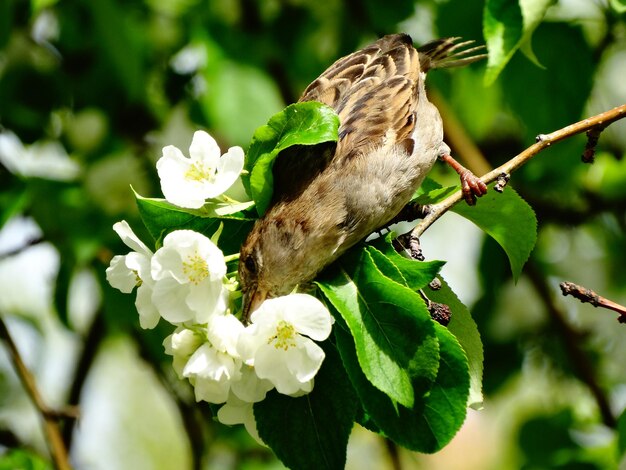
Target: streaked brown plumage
<point>326,199</point>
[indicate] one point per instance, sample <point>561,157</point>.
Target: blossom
<point>279,343</point>
<point>215,365</point>
<point>211,372</point>
<point>133,270</point>
<point>47,160</point>
<point>181,345</point>
<point>223,333</point>
<point>236,411</point>
<point>189,272</point>
<point>188,182</point>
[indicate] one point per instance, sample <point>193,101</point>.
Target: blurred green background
<point>90,91</point>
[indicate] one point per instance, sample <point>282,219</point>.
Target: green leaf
<point>307,123</point>
<point>557,43</point>
<point>509,220</point>
<point>464,328</point>
<point>160,218</point>
<point>392,329</point>
<point>431,192</point>
<point>415,274</point>
<point>508,25</point>
<point>311,431</point>
<point>438,411</point>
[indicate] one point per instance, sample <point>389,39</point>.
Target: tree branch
<point>543,141</point>
<point>50,417</point>
<point>587,295</point>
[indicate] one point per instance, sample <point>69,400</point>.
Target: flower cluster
<point>185,282</point>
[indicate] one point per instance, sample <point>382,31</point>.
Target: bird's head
<point>273,261</point>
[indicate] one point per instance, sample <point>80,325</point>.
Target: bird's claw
<point>472,187</point>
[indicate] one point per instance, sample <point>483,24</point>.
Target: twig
<point>587,295</point>
<point>572,338</point>
<point>543,141</point>
<point>50,418</point>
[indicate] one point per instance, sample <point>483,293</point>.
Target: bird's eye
<point>250,264</point>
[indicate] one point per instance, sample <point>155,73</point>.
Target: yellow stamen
<point>196,269</point>
<point>198,171</point>
<point>284,337</point>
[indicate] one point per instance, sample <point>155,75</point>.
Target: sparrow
<point>329,197</point>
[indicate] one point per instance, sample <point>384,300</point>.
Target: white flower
<point>236,411</point>
<point>188,182</point>
<point>223,333</point>
<point>250,387</point>
<point>181,345</point>
<point>133,270</point>
<point>216,365</point>
<point>211,372</point>
<point>189,272</point>
<point>276,342</point>
<point>47,160</point>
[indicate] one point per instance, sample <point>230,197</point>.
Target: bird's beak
<point>251,301</point>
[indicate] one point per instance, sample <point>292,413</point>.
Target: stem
<point>587,295</point>
<point>543,141</point>
<point>229,258</point>
<point>50,417</point>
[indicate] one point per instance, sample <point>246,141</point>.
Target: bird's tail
<point>447,52</point>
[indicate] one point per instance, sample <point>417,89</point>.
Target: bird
<point>329,197</point>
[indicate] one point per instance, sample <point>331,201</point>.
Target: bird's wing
<point>374,92</point>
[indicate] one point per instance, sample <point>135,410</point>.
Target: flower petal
<point>236,411</point>
<point>308,361</point>
<point>140,265</point>
<point>223,333</point>
<point>119,276</point>
<point>309,316</point>
<point>148,314</point>
<point>251,387</point>
<point>168,296</point>
<point>204,148</point>
<point>130,239</point>
<point>181,345</point>
<point>229,168</point>
<point>211,391</point>
<point>212,373</point>
<point>167,263</point>
<point>173,168</point>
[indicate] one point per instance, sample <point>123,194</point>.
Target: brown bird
<point>328,198</point>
